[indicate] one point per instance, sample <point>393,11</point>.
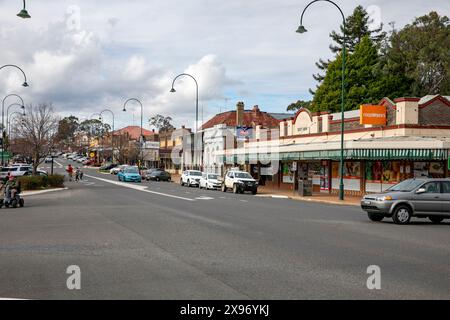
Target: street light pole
<point>24,13</point>
<point>112,133</point>
<point>196,100</point>
<point>301,29</point>
<point>7,117</point>
<point>9,121</point>
<point>25,84</point>
<point>99,117</point>
<point>7,112</point>
<point>141,138</point>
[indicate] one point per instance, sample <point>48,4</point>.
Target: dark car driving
<point>159,175</point>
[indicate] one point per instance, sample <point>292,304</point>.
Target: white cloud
<point>100,55</point>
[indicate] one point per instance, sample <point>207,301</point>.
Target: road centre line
<point>139,188</point>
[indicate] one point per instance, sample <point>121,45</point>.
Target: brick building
<point>414,141</point>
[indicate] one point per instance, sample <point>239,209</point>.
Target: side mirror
<point>421,190</point>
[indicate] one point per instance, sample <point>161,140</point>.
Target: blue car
<point>130,174</point>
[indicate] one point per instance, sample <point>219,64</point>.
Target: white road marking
<point>139,188</point>
<point>59,164</point>
<point>204,198</point>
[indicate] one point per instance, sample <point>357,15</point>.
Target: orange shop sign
<point>371,114</point>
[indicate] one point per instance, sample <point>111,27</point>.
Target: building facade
<point>414,141</point>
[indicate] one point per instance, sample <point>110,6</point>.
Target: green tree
<point>66,129</point>
<point>364,82</point>
<point>357,27</point>
<point>94,128</point>
<point>298,105</point>
<point>420,52</point>
<point>161,123</point>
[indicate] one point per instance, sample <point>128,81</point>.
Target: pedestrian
<point>77,174</point>
<point>70,171</point>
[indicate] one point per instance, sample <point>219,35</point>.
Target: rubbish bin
<point>304,187</point>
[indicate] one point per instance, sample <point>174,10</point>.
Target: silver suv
<point>421,198</point>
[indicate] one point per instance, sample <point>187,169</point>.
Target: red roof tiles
<point>134,132</point>
<point>250,118</point>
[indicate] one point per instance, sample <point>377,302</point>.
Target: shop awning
<point>350,154</point>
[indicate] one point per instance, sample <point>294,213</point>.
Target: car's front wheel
<point>436,219</point>
<point>402,214</point>
<point>375,216</point>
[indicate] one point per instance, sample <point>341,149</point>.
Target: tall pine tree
<point>357,27</point>
<point>363,81</point>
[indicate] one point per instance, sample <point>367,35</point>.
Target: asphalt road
<point>159,240</point>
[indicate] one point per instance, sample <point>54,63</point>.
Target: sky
<point>86,56</point>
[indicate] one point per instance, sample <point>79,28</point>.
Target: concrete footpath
<point>322,198</point>
<point>283,194</point>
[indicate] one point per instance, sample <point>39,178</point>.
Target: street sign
<point>448,164</point>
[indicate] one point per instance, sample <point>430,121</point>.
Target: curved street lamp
<point>24,13</point>
<point>112,133</point>
<point>3,116</point>
<point>9,122</point>
<point>7,112</point>
<point>196,101</point>
<point>302,29</point>
<point>141,138</point>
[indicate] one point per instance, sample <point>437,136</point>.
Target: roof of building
<point>134,132</point>
<point>250,118</point>
<point>281,116</point>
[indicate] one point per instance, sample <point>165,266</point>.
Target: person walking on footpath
<point>70,171</point>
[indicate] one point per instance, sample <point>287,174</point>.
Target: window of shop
<point>352,176</point>
<point>429,169</point>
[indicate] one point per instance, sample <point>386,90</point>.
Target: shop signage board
<point>372,114</point>
<point>244,133</point>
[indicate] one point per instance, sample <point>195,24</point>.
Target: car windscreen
<point>213,176</point>
<point>243,175</point>
<point>407,185</point>
<point>131,170</point>
<point>195,173</point>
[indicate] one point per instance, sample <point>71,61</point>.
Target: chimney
<point>407,111</point>
<point>239,114</point>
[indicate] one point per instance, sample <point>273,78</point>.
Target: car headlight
<point>240,182</point>
<point>385,198</point>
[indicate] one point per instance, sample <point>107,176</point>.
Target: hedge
<point>42,182</point>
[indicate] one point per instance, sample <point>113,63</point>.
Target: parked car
<point>129,174</point>
<point>48,160</point>
<point>421,198</point>
<point>17,171</point>
<point>107,166</point>
<point>190,178</point>
<point>210,181</point>
<point>117,169</point>
<point>239,182</point>
<point>38,173</point>
<point>158,175</point>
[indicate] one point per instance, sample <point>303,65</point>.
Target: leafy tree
<point>298,105</point>
<point>161,123</point>
<point>357,27</point>
<point>94,128</point>
<point>363,80</point>
<point>67,128</point>
<point>420,52</point>
<point>37,133</point>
